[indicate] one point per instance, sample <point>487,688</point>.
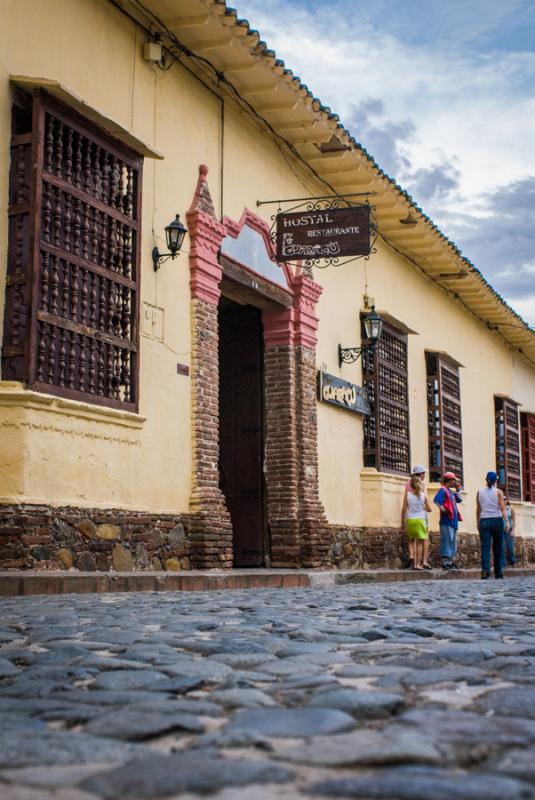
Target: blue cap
<point>492,477</point>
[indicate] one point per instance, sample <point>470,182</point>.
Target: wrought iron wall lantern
<point>373,327</point>
<point>174,236</point>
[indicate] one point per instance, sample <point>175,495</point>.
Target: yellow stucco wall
<point>64,453</point>
<point>97,53</point>
<point>440,323</point>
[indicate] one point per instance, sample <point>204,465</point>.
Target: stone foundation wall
<point>386,548</point>
<point>40,537</point>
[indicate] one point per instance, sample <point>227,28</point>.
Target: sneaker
<point>453,565</point>
<point>500,576</point>
<point>485,576</point>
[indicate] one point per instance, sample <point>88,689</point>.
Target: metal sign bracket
<point>324,203</point>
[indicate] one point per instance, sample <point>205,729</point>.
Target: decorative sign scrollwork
<point>324,231</point>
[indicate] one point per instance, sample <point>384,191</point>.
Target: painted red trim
<point>281,327</point>
<point>278,326</point>
<point>206,234</point>
<point>306,295</point>
<point>259,225</point>
<point>300,325</point>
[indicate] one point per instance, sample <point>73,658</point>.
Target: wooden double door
<point>241,429</point>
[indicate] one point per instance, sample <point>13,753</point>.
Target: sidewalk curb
<point>45,583</point>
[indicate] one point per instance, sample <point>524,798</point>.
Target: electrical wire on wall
<point>219,79</point>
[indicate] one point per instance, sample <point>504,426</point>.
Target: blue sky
<point>442,94</point>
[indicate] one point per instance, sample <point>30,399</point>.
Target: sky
<point>442,94</point>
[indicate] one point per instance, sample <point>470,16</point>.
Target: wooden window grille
<point>386,430</point>
<point>72,293</point>
<point>508,447</point>
<point>527,426</point>
<point>444,421</point>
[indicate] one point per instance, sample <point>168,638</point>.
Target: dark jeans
<point>491,531</point>
<point>508,549</point>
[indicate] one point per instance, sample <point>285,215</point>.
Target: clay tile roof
<point>488,304</point>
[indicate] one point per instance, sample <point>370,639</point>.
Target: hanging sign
<point>343,394</point>
<point>326,233</point>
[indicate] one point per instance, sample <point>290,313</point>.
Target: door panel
<point>241,429</point>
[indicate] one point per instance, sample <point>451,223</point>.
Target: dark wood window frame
<point>72,292</point>
<point>527,428</point>
<point>444,416</point>
<point>508,464</point>
<point>387,429</point>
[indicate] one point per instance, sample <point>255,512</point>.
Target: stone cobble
<point>423,690</point>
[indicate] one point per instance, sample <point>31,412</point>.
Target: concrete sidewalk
<point>38,582</point>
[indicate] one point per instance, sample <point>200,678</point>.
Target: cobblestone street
<point>420,690</point>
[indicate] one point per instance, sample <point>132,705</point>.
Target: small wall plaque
<point>342,393</point>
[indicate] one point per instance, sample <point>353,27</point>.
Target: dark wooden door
<point>241,428</point>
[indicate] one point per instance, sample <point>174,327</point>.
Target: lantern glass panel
<point>373,325</point>
<point>174,234</point>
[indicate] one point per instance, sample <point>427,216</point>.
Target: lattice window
<point>508,447</point>
<point>386,430</point>
<point>527,424</point>
<point>73,266</point>
<point>444,420</point>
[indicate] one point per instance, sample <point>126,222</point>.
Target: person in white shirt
<point>418,471</point>
<point>414,520</point>
<point>491,522</point>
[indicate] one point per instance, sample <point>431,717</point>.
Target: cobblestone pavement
<point>422,690</point>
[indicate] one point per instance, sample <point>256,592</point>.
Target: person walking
<point>509,535</point>
<point>446,499</point>
<point>414,520</point>
<point>491,521</point>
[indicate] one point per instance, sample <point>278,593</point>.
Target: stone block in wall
<point>121,559</point>
<point>108,532</point>
<point>64,533</point>
<point>64,558</point>
<point>86,562</point>
<point>87,528</point>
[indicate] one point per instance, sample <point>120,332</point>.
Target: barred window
<point>508,447</point>
<point>444,422</point>
<point>527,425</point>
<point>72,292</point>
<point>386,430</point>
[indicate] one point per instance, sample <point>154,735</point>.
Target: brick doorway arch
<point>298,527</point>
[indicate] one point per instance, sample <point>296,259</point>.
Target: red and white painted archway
<point>297,524</point>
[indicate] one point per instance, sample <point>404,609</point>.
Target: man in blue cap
<point>491,522</point>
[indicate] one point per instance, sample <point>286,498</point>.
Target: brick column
<point>210,524</point>
<point>281,438</point>
<point>314,532</point>
<point>299,529</point>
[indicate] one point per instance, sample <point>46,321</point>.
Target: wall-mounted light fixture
<point>373,327</point>
<point>174,236</point>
